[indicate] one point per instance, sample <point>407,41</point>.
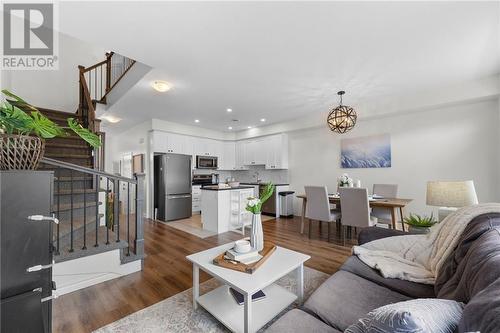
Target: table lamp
<point>450,195</point>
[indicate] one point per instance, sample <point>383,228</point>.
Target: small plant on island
<point>254,205</point>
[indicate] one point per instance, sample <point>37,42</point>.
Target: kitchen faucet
<point>256,175</point>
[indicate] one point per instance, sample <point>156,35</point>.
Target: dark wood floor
<point>167,272</point>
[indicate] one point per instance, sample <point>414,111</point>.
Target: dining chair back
<point>387,191</point>
<point>355,207</point>
<point>318,206</point>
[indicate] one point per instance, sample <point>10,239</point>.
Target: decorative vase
<point>257,236</point>
<point>20,152</point>
<point>418,230</point>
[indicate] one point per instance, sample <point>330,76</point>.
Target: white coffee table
<point>249,317</point>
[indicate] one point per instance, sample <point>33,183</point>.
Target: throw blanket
<point>418,258</point>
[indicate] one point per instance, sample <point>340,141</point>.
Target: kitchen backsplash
<point>250,176</point>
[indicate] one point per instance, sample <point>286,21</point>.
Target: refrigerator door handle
<point>179,196</point>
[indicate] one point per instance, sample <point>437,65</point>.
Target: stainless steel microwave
<point>206,162</point>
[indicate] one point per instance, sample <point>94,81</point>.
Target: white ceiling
<point>283,60</point>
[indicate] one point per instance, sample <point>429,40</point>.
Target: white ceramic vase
<point>257,236</point>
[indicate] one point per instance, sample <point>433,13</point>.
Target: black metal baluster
<point>58,170</point>
<point>107,211</point>
<point>96,211</point>
<point>84,212</point>
<point>117,210</point>
<point>71,249</point>
<point>128,219</point>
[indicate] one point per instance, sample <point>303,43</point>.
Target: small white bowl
<point>242,246</point>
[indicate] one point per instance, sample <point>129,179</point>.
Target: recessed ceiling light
<point>229,110</point>
<point>197,120</point>
<point>249,127</point>
<point>161,86</point>
<point>229,128</point>
<point>263,119</point>
<point>111,119</point>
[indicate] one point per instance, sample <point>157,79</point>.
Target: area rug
<point>176,314</point>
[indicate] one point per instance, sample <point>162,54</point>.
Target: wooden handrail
<point>119,78</point>
<point>88,69</point>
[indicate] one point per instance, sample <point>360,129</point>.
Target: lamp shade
<point>451,194</point>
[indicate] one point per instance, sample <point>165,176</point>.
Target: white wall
<point>57,89</point>
<point>455,142</point>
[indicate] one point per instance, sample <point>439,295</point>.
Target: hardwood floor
<point>167,272</point>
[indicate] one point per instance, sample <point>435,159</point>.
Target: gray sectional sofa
<point>470,275</point>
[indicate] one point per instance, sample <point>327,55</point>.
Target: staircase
<point>92,217</point>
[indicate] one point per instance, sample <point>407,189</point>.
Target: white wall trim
<point>84,272</point>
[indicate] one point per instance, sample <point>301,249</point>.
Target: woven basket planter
<point>20,152</point>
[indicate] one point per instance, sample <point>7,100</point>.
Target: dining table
<point>392,204</point>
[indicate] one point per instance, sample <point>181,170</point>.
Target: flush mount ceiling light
<point>230,128</point>
<point>111,119</point>
<point>342,118</point>
<point>161,86</point>
<point>196,120</point>
<point>262,119</point>
<point>229,110</point>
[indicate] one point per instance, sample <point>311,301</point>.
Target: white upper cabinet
<point>227,160</point>
<point>277,151</point>
<point>271,151</point>
<point>170,143</point>
<point>240,155</point>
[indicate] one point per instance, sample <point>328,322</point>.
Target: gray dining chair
<point>355,209</point>
<point>384,215</point>
<point>318,208</point>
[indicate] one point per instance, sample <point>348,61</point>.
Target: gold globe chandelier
<point>342,118</point>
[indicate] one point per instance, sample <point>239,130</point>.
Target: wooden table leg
<point>393,218</point>
<point>402,217</point>
<point>303,216</point>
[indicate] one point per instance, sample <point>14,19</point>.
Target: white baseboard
<point>84,272</point>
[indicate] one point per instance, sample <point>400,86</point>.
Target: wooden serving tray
<point>251,268</point>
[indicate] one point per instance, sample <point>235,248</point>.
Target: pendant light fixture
<point>342,118</point>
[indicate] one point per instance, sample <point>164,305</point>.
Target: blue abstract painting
<point>366,152</point>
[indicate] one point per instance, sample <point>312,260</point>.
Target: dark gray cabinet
<point>25,296</point>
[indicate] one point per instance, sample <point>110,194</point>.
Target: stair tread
<point>50,144</point>
<point>62,155</point>
<point>78,191</point>
<point>65,255</point>
<point>78,205</point>
<point>74,178</point>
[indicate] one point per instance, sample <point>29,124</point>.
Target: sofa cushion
<point>373,233</point>
<point>412,289</point>
<point>299,321</point>
<point>417,315</point>
<point>482,313</point>
<point>475,263</point>
<point>345,297</point>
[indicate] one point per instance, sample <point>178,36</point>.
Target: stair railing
<point>96,82</point>
<point>121,220</point>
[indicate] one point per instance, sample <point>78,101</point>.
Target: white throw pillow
<point>418,315</point>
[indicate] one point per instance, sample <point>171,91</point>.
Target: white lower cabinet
<point>196,198</point>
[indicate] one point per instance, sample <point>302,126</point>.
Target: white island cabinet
<point>224,210</point>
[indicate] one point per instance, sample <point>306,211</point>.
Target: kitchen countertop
<point>262,183</point>
<point>215,188</point>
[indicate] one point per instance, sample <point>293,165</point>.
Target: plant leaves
<point>84,133</point>
<point>13,119</point>
<point>19,100</point>
<point>44,127</point>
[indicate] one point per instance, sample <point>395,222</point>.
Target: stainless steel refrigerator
<point>172,177</point>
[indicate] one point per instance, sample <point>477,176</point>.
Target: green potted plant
<point>254,206</point>
<point>23,130</point>
<point>419,224</point>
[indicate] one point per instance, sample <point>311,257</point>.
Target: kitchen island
<point>223,209</point>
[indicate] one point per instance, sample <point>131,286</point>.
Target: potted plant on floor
<point>419,224</point>
<point>254,206</point>
<point>23,130</point>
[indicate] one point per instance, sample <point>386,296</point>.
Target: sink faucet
<point>256,175</point>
